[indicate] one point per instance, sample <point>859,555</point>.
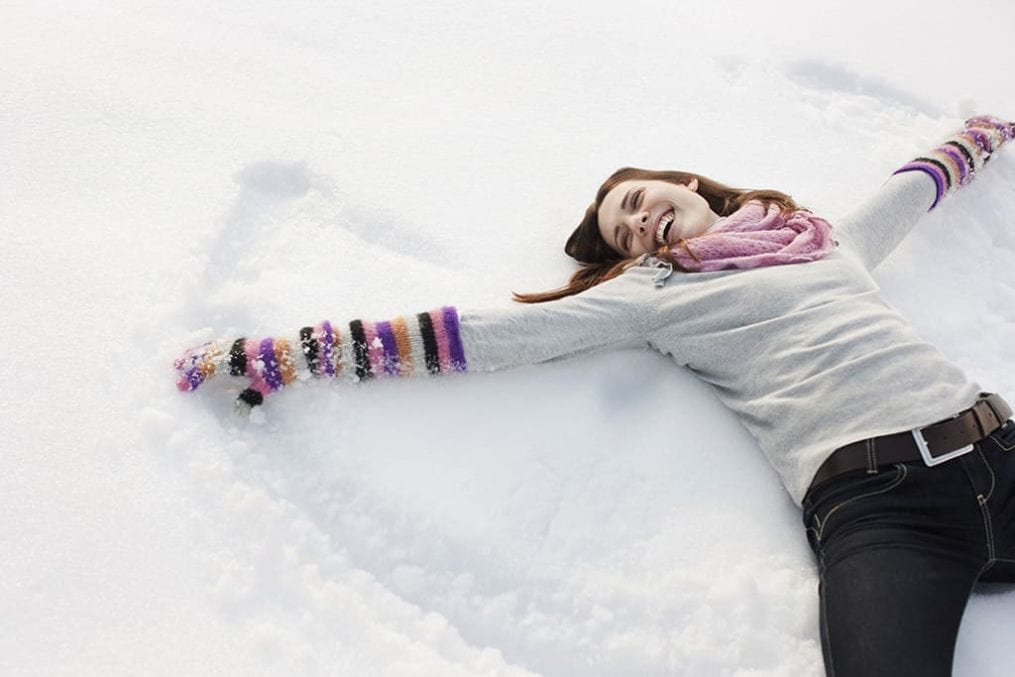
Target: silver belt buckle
<point>931,461</point>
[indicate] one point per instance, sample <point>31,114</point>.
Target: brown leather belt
<point>940,441</point>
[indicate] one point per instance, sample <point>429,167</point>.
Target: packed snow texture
<point>176,171</point>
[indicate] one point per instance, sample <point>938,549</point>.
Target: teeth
<point>663,229</point>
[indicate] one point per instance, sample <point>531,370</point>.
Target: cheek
<point>698,211</point>
<point>700,225</point>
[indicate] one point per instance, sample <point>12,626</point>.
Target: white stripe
<point>418,351</point>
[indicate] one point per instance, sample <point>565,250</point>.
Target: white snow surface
<point>175,171</point>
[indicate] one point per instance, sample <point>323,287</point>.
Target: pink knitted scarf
<point>753,237</point>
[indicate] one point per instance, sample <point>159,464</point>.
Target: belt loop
<point>983,426</point>
<point>989,399</point>
<point>872,457</point>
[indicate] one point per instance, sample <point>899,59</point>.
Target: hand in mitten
<point>423,344</point>
<point>267,364</point>
<point>954,162</point>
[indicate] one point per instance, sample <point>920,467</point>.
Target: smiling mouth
<point>663,229</point>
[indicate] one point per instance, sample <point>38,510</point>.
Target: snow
<point>175,171</point>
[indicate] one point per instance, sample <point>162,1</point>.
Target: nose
<point>640,224</point>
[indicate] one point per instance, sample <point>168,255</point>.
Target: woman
<point>905,471</point>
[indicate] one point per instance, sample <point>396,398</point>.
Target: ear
<point>693,185</point>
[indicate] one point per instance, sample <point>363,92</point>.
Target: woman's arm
<point>427,344</point>
<point>877,226</point>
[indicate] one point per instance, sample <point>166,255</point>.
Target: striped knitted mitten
<point>425,344</point>
<point>953,163</point>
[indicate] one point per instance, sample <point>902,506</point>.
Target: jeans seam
<point>826,639</point>
<point>999,443</point>
<point>821,523</point>
<point>989,527</point>
<point>993,479</point>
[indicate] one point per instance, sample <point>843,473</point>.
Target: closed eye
<point>622,238</point>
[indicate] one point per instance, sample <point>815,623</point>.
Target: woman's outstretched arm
<point>424,343</point>
<point>437,342</point>
<point>877,226</point>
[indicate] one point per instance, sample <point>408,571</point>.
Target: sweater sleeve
<point>611,313</point>
<point>431,343</point>
<point>878,225</point>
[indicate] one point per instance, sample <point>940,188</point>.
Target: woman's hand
<point>956,161</point>
<point>990,133</point>
<point>267,364</point>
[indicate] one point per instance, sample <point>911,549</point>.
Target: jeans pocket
<point>832,499</point>
<point>1004,437</point>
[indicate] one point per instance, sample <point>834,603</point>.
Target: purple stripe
<point>272,375</point>
<point>451,329</point>
<point>930,169</point>
<point>194,378</point>
<point>999,125</point>
<point>329,341</point>
<point>960,160</point>
<point>981,139</point>
<point>387,337</point>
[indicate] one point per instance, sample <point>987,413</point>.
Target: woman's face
<point>637,217</point>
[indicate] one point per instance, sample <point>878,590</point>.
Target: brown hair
<point>601,263</point>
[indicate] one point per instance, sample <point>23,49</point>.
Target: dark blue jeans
<point>899,552</point>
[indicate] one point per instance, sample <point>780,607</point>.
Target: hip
<point>965,505</point>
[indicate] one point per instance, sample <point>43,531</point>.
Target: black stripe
<point>965,153</point>
<point>310,349</point>
<point>237,358</point>
<point>940,165</point>
<point>359,350</point>
<point>433,361</point>
<point>251,397</point>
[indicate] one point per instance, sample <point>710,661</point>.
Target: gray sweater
<point>809,356</point>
